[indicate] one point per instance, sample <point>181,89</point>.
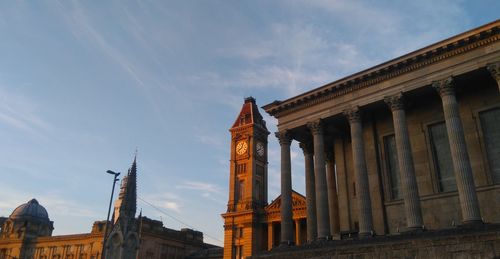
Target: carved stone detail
<point>316,127</point>
<point>284,137</point>
<point>494,70</point>
<point>395,102</point>
<point>353,114</point>
<point>307,148</point>
<point>444,87</point>
<point>329,154</point>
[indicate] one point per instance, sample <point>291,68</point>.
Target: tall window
<point>490,123</point>
<point>442,157</point>
<point>257,190</point>
<point>241,168</point>
<point>239,252</point>
<point>241,190</point>
<point>392,166</point>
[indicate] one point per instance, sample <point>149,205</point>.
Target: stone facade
<point>27,234</point>
<point>414,143</point>
<point>458,243</point>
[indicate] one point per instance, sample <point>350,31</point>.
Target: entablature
<point>402,70</point>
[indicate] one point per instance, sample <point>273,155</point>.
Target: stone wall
<point>478,242</point>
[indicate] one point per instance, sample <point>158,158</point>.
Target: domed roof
<point>31,209</point>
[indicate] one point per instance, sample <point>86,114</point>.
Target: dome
<point>31,209</point>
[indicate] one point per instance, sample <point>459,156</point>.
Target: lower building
<point>27,234</point>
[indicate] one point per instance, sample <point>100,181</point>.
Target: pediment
<point>298,201</point>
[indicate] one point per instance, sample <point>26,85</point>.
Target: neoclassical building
<point>410,146</point>
<point>27,234</point>
<point>407,145</point>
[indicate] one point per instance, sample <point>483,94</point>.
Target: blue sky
<point>83,83</point>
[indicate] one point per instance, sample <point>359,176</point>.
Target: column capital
<point>395,102</point>
<point>307,148</point>
<point>316,127</point>
<point>329,155</point>
<point>284,137</point>
<point>444,87</point>
<point>353,114</point>
<point>494,69</point>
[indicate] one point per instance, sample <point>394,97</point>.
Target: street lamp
<point>109,211</point>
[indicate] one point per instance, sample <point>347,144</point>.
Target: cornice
<point>459,44</point>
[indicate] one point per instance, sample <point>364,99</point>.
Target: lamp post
<point>109,211</point>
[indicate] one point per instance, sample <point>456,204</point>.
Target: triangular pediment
<point>298,201</point>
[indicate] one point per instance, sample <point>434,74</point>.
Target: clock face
<point>260,149</point>
<point>241,147</point>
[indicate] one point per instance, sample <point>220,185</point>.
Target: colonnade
<point>321,200</point>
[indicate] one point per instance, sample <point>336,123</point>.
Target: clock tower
<point>244,231</point>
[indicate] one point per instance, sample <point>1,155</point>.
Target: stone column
<point>312,227</point>
<point>286,189</point>
<point>408,183</point>
<point>459,155</point>
<point>297,232</point>
<point>495,72</point>
<point>270,235</point>
<point>320,180</point>
<point>333,202</point>
<point>360,172</point>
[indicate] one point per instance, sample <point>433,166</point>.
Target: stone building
<point>27,234</point>
<point>406,147</point>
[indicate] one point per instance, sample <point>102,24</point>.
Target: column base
<point>471,224</point>
<point>412,230</point>
<point>364,235</point>
<point>336,237</point>
<point>310,241</point>
<point>286,243</point>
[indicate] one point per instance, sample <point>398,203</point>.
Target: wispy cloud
<point>201,186</point>
<point>20,112</point>
<point>166,200</point>
<point>207,190</point>
<point>57,205</point>
<point>84,26</point>
<point>213,140</point>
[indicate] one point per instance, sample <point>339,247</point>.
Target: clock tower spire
<point>243,228</point>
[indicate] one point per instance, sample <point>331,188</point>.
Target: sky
<point>83,84</point>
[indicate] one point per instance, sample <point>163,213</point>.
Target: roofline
<point>377,69</point>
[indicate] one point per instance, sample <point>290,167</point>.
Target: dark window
<point>442,157</point>
<point>259,171</point>
<point>490,123</point>
<point>257,190</point>
<point>392,167</point>
<point>241,168</point>
<point>241,190</point>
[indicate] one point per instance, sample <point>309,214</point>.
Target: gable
<point>298,202</point>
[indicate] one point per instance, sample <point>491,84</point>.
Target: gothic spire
<point>126,205</point>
